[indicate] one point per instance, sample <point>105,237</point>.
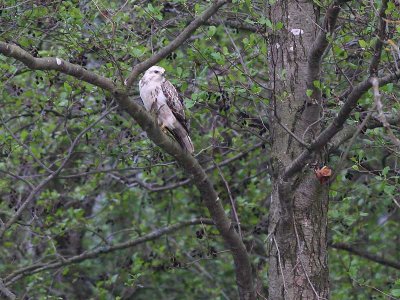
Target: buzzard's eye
<point>156,72</point>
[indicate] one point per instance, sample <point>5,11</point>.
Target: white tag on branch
<point>58,61</point>
<point>296,31</point>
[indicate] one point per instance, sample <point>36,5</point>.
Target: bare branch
<point>300,247</point>
<point>381,33</point>
<point>387,296</point>
<point>177,42</point>
<point>237,25</point>
<point>233,202</point>
<point>280,266</point>
<point>5,291</point>
<point>299,140</point>
<point>360,127</point>
<point>103,250</point>
<point>365,254</point>
<point>320,44</point>
<point>337,124</point>
<point>30,185</point>
<point>349,131</point>
<point>381,115</point>
<point>56,64</point>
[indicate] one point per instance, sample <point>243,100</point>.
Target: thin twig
<point>381,115</point>
<point>299,140</point>
<point>233,202</point>
<point>280,265</point>
<point>302,265</point>
<point>339,165</point>
<point>31,186</point>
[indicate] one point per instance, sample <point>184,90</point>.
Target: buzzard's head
<point>154,74</point>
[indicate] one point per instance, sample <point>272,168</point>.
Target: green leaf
<point>24,134</point>
<point>317,84</point>
<point>65,271</point>
<point>278,26</point>
<point>25,42</point>
<point>136,52</point>
<point>385,170</point>
<point>265,21</point>
<point>256,89</point>
<point>113,279</point>
<point>269,23</point>
<point>189,103</point>
<point>218,58</point>
<point>395,292</point>
<point>211,31</point>
<point>389,189</point>
<point>67,87</point>
<point>362,43</point>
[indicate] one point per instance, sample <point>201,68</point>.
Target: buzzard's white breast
<point>151,92</point>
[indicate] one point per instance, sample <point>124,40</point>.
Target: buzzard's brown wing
<point>175,103</point>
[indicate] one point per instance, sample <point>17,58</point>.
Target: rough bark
<point>298,213</point>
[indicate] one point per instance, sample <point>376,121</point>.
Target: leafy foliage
<point>117,186</point>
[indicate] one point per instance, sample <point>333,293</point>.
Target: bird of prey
<point>159,95</point>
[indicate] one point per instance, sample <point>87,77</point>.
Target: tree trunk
<point>298,212</point>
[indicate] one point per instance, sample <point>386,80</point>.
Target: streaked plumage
<point>158,94</point>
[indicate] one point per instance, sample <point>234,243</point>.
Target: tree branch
<point>57,64</point>
<point>177,42</point>
<point>5,291</point>
<point>319,46</point>
<point>349,130</point>
<point>339,165</point>
<point>365,254</point>
<point>103,250</point>
<point>237,25</point>
<point>337,124</point>
<point>381,115</point>
<point>206,189</point>
<point>381,33</point>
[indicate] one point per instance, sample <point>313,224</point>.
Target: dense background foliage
<point>118,186</point>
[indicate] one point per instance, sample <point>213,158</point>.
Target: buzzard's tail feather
<point>182,137</point>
